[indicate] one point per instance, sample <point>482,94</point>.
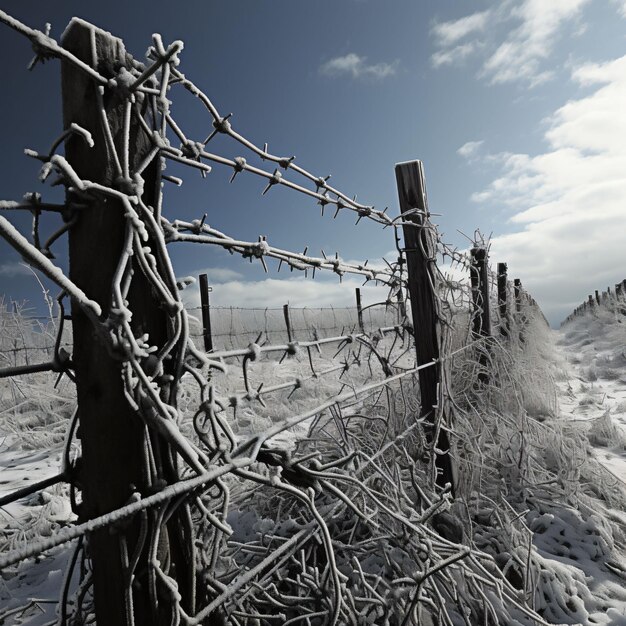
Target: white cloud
<point>453,56</point>
<point>12,270</point>
<point>517,37</point>
<point>571,199</point>
<point>298,292</point>
<point>356,66</point>
<point>520,55</point>
<point>449,33</point>
<point>219,274</point>
<point>470,149</point>
<point>622,6</point>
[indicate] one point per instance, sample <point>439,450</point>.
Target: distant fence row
<point>236,327</point>
<point>23,335</point>
<point>599,298</point>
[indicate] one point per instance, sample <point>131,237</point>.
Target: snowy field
<point>556,531</point>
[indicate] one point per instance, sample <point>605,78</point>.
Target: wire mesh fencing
<point>236,327</point>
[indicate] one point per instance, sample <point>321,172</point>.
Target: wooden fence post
<point>359,310</point>
<point>481,314</point>
<point>502,299</point>
<point>479,276</point>
<point>517,289</point>
<point>113,436</point>
<point>206,312</point>
<point>287,322</point>
<point>597,297</point>
<point>422,285</point>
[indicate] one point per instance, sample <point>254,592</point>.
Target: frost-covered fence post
<point>597,297</point>
<point>359,310</point>
<point>622,295</point>
<point>481,313</point>
<point>481,324</point>
<point>287,322</point>
<point>520,319</point>
<point>502,299</point>
<point>113,436</point>
<point>420,248</point>
<point>517,290</point>
<point>206,312</point>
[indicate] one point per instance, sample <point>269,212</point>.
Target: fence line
<point>333,490</point>
<point>607,297</point>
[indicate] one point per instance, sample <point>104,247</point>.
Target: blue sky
<point>515,107</point>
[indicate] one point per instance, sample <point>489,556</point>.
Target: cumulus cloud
<point>571,199</point>
<point>357,67</point>
<point>517,38</point>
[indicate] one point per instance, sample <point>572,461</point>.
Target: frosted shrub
<point>604,431</point>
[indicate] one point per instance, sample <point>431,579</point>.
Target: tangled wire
<point>252,509</point>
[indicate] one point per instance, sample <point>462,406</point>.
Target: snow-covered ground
<point>29,591</point>
<point>593,347</point>
<point>576,541</point>
<point>591,354</point>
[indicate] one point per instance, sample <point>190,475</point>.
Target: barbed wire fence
<point>197,503</point>
<point>608,298</point>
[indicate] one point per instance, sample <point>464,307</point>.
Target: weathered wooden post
<point>518,293</point>
<point>359,310</point>
<point>481,314</point>
<point>502,299</point>
<point>206,312</point>
<point>597,297</point>
<point>622,285</point>
<point>420,244</point>
<point>591,301</point>
<point>113,436</point>
<point>287,322</point>
<point>481,324</point>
